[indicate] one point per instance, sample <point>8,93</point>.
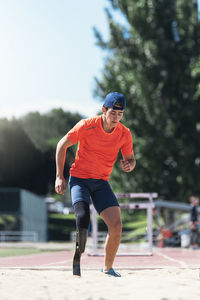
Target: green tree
<point>27,149</point>
<point>21,164</point>
<point>153,58</point>
<point>47,129</point>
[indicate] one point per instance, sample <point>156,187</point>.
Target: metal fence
<point>18,236</point>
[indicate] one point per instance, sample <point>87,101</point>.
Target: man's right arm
<point>60,183</point>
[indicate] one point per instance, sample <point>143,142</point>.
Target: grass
<point>4,252</point>
<point>63,217</point>
<point>8,222</point>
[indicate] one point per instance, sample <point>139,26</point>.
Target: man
<point>100,139</point>
<point>163,236</point>
<point>194,231</point>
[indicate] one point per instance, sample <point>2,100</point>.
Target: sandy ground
<point>158,284</point>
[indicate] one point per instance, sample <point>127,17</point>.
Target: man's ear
<point>103,109</point>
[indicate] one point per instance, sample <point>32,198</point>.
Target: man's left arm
<point>128,163</point>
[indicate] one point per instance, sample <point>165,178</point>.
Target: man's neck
<point>106,127</point>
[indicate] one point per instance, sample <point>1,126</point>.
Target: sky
<point>49,56</point>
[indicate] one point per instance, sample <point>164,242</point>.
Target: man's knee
<point>82,213</point>
<point>115,227</point>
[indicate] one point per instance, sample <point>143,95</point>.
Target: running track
<point>161,258</point>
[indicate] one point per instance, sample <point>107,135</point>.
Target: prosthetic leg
<point>81,238</point>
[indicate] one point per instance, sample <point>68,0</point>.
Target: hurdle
<point>128,206</point>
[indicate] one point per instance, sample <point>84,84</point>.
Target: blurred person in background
<point>194,231</point>
<point>163,235</point>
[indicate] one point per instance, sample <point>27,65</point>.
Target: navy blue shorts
<point>97,190</point>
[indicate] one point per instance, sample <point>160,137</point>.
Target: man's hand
<point>61,148</point>
<point>125,165</point>
<point>60,185</point>
<point>128,165</point>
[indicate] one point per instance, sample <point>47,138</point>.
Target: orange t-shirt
<point>98,150</point>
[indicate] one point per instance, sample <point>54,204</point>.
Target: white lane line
<point>182,263</point>
<point>56,263</point>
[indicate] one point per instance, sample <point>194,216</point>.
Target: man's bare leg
<point>112,218</point>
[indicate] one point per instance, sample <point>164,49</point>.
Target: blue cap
<point>116,101</point>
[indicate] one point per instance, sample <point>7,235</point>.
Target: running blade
<point>76,263</point>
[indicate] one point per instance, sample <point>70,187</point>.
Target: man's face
<point>113,116</point>
<point>194,200</point>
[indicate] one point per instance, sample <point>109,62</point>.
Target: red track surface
<point>161,258</point>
